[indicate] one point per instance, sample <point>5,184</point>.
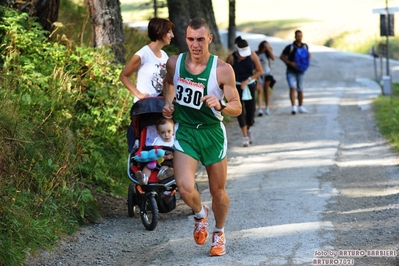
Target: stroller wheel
<point>131,199</point>
<point>149,212</point>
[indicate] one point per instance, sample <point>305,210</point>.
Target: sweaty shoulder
<point>224,71</point>
<point>172,59</point>
<point>223,66</point>
<point>171,64</point>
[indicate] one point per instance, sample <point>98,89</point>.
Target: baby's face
<point>166,132</point>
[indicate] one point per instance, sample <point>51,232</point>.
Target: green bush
<point>387,116</point>
<point>63,121</point>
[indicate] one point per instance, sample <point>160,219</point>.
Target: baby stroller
<point>156,196</point>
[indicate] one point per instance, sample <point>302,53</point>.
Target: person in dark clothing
<point>247,69</point>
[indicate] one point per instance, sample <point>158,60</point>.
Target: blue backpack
<point>301,57</point>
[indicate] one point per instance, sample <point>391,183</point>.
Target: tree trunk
<point>107,26</point>
<point>45,10</point>
<point>232,32</point>
<point>180,13</point>
<point>155,8</point>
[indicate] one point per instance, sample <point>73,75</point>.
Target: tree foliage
<point>180,13</point>
<point>46,11</point>
<point>63,115</point>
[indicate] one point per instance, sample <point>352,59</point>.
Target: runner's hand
<point>168,110</point>
<point>211,101</point>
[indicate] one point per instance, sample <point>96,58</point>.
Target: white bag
<point>246,94</point>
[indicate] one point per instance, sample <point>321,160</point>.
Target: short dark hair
<point>197,23</point>
<point>162,121</point>
<point>298,31</point>
<point>158,28</point>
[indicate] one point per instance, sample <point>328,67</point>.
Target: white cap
<point>244,52</point>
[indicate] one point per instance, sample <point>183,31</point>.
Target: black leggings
<point>247,117</point>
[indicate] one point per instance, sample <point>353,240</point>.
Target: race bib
<point>189,93</point>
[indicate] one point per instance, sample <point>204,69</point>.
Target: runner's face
<point>198,41</point>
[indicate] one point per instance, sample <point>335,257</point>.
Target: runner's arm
<point>168,88</point>
<point>227,81</point>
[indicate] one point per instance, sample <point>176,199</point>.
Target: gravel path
<point>311,187</point>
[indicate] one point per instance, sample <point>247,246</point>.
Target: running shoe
<point>249,136</point>
<point>165,173</point>
<point>267,111</point>
<point>245,142</point>
<point>200,231</point>
<point>141,178</point>
<point>294,109</point>
<point>218,244</point>
<point>302,110</point>
<point>260,113</point>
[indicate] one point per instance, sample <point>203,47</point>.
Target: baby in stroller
<point>150,158</point>
<point>165,130</point>
<point>155,195</point>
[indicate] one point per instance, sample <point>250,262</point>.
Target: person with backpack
<point>296,56</point>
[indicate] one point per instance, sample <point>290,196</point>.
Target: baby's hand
<point>168,157</point>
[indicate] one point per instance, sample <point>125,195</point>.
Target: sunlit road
<point>281,186</point>
<point>310,188</point>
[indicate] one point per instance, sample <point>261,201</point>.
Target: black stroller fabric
<point>166,203</point>
<point>142,115</point>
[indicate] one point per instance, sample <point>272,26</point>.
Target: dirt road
<point>312,188</point>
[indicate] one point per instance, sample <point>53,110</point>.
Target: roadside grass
<point>351,37</point>
<point>276,28</point>
<point>346,40</point>
<point>386,113</point>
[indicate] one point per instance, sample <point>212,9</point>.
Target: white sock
<point>201,214</point>
<point>216,230</point>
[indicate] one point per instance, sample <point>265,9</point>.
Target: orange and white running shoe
<point>200,232</point>
<point>218,244</point>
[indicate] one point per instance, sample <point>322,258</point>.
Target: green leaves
<point>62,130</point>
<point>387,116</point>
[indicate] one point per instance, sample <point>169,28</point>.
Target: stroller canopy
<point>147,106</point>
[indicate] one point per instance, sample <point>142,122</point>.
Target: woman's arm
<point>132,66</point>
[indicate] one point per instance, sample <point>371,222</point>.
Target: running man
<point>201,81</point>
